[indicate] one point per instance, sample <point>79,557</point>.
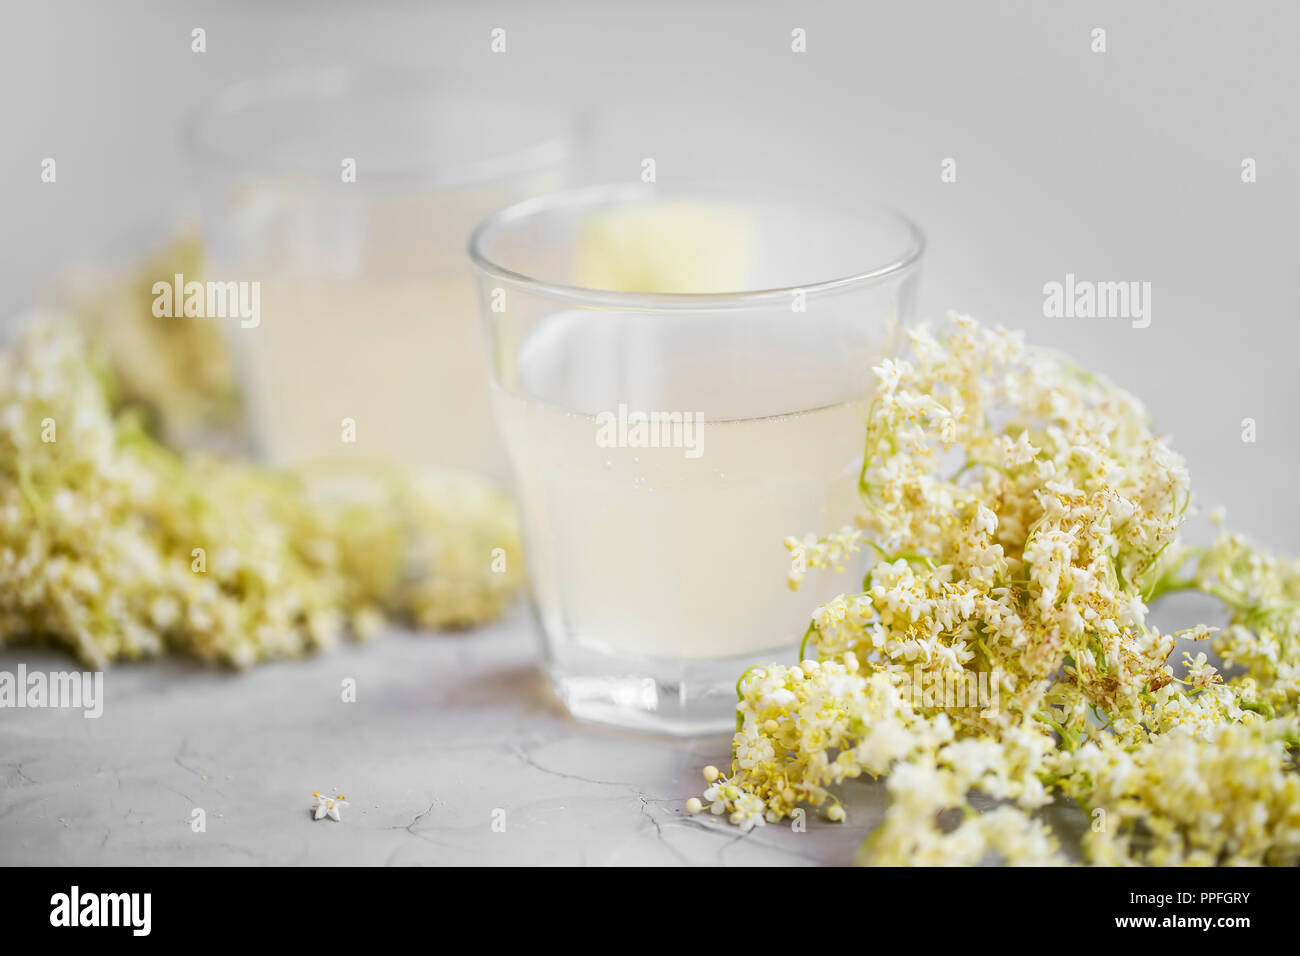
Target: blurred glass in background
<point>348,196</point>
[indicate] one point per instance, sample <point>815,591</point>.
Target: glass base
<point>680,697</point>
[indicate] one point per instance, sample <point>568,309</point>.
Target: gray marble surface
<point>445,730</point>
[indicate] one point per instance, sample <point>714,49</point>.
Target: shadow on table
<point>519,686</point>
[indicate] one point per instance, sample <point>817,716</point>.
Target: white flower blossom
<point>1023,579</point>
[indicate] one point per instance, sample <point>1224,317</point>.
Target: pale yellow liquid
<point>646,552</point>
<point>402,358</point>
<point>369,312</point>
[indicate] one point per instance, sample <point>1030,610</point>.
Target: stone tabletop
<point>446,732</point>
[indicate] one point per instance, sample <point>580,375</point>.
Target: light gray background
<point>1115,166</point>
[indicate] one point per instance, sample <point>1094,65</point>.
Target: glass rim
<point>669,301</point>
<point>322,83</point>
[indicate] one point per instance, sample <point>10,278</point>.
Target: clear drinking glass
<point>346,195</point>
<point>679,379</point>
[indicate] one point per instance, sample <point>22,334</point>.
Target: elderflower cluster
<point>181,374</point>
<point>1023,515</point>
<point>1261,593</point>
<point>1229,794</point>
<point>114,547</point>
